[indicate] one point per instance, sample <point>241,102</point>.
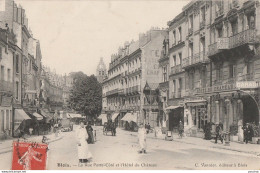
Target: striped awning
<point>130,117</point>
<point>20,115</point>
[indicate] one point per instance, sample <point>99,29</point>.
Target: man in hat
<point>181,129</point>
<point>142,138</point>
<point>246,130</point>
<point>219,133</point>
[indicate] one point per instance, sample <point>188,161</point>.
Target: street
<point>120,152</point>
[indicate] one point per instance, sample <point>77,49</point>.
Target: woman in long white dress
<point>83,150</point>
<point>142,138</point>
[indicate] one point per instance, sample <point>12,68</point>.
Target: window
<point>251,21</point>
<point>2,72</point>
<point>234,26</point>
<point>99,72</point>
<point>1,56</point>
<point>203,12</point>
<point>173,88</point>
<point>232,71</point>
<point>180,57</point>
<point>190,21</point>
<point>9,75</point>
<point>174,60</point>
<point>2,118</point>
<point>191,50</point>
<point>180,84</point>
<point>7,120</point>
<point>164,73</point>
<point>219,72</point>
<point>220,32</point>
<point>174,37</point>
<point>17,90</point>
<point>180,34</point>
<point>17,63</point>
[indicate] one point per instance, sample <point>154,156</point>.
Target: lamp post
<point>227,141</point>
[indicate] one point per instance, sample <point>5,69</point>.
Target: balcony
<point>164,85</point>
<point>244,37</point>
<point>6,86</point>
<point>112,92</point>
<point>239,39</point>
<point>247,77</point>
<point>176,69</point>
<point>195,59</point>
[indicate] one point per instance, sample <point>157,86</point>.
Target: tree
<point>86,95</point>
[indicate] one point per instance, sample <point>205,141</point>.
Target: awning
<point>130,117</point>
<point>20,115</point>
<point>46,115</point>
<point>38,116</point>
<point>173,107</point>
<point>114,116</point>
<point>102,116</point>
<point>75,115</point>
<point>196,102</point>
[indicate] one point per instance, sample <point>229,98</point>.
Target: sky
<point>75,34</point>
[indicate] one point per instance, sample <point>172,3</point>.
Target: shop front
<point>232,106</point>
<point>5,117</point>
<point>175,115</point>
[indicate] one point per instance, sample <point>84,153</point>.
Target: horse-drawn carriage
<point>109,127</point>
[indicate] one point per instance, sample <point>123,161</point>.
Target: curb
<point>217,147</point>
<point>10,150</point>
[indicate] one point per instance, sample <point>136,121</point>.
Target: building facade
<point>212,65</point>
<point>133,78</point>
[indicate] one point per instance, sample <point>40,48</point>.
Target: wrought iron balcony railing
<point>176,69</point>
<point>195,59</point>
<point>246,77</point>
<point>239,39</point>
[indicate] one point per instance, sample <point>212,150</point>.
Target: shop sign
<point>6,101</point>
<point>223,43</point>
<point>247,84</point>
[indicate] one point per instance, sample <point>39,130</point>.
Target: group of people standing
<point>247,130</point>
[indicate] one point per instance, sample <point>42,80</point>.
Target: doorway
<point>250,111</point>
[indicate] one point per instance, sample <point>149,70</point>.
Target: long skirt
<point>83,150</point>
<point>142,143</point>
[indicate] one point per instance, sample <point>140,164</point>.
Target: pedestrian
<point>247,132</point>
<point>148,127</point>
<point>89,130</point>
<point>180,129</point>
<point>219,134</point>
<point>142,138</point>
<point>83,151</point>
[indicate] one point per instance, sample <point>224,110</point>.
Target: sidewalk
<point>234,146</point>
<point>6,145</point>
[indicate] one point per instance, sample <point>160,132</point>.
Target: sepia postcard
<point>130,85</point>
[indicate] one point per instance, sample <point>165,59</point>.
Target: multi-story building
<point>67,86</point>
<point>101,71</point>
<point>51,90</point>
<point>133,79</point>
<point>214,66</point>
<point>7,52</point>
<point>233,97</point>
